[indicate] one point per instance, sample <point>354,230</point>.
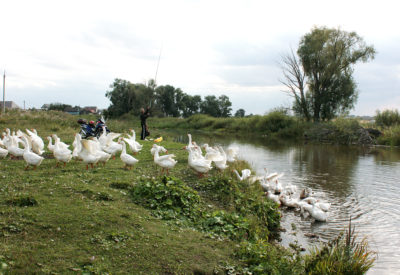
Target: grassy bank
<point>277,126</point>
<point>110,220</point>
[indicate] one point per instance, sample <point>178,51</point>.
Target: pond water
<point>361,183</point>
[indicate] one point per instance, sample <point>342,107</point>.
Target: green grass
<point>72,220</point>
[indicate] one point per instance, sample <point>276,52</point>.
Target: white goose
<point>50,145</point>
<point>200,165</point>
<point>133,145</point>
<point>221,165</point>
<point>133,138</point>
<point>111,146</point>
<point>273,197</point>
<point>31,158</point>
<point>277,187</point>
<point>3,152</point>
<point>61,144</point>
<point>212,153</point>
<point>289,201</point>
<point>129,160</point>
<point>166,162</point>
<point>103,156</point>
<point>303,205</point>
<point>318,214</point>
<point>61,154</point>
<point>3,135</point>
<point>157,148</point>
<point>103,137</point>
<point>12,147</point>
<point>246,173</point>
<point>87,153</point>
<point>37,142</point>
<point>324,206</point>
<point>76,145</point>
<point>231,153</point>
<point>7,140</point>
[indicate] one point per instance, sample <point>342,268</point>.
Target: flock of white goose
<point>100,150</point>
<point>288,195</point>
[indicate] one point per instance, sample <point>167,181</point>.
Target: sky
<point>71,51</point>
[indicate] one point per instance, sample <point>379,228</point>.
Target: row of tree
<point>319,76</point>
<point>164,101</point>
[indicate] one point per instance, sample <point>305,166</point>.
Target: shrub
<point>387,118</point>
<point>343,255</point>
<point>262,257</point>
<point>221,223</point>
<point>246,200</point>
<point>23,201</point>
<point>391,136</point>
<point>170,198</point>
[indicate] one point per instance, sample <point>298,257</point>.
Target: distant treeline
<point>164,101</point>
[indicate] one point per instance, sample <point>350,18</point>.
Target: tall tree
<point>224,106</point>
<point>210,106</point>
<point>216,107</point>
<point>190,105</point>
<point>240,113</point>
<point>325,67</point>
<point>126,97</point>
<point>169,100</point>
<point>294,81</point>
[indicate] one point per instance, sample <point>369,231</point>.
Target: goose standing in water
<point>318,214</point>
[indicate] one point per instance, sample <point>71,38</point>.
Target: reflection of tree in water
<point>327,167</point>
<point>227,138</point>
<point>387,156</point>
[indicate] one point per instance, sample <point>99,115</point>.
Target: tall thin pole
<point>4,92</point>
<point>158,64</point>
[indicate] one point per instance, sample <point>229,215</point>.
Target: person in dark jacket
<point>143,116</point>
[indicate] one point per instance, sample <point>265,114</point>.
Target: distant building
<point>72,110</point>
<point>9,105</point>
<point>45,107</point>
<point>89,110</point>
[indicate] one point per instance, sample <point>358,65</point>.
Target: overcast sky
<point>71,51</point>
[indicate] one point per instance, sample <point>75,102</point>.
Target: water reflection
<point>327,168</point>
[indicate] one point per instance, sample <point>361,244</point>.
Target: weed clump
<point>343,255</point>
<point>121,185</point>
<point>99,196</point>
<point>245,200</point>
<point>23,201</point>
<point>169,198</point>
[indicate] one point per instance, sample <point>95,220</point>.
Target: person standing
<point>143,116</point>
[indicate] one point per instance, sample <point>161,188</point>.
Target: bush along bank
<point>276,126</point>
